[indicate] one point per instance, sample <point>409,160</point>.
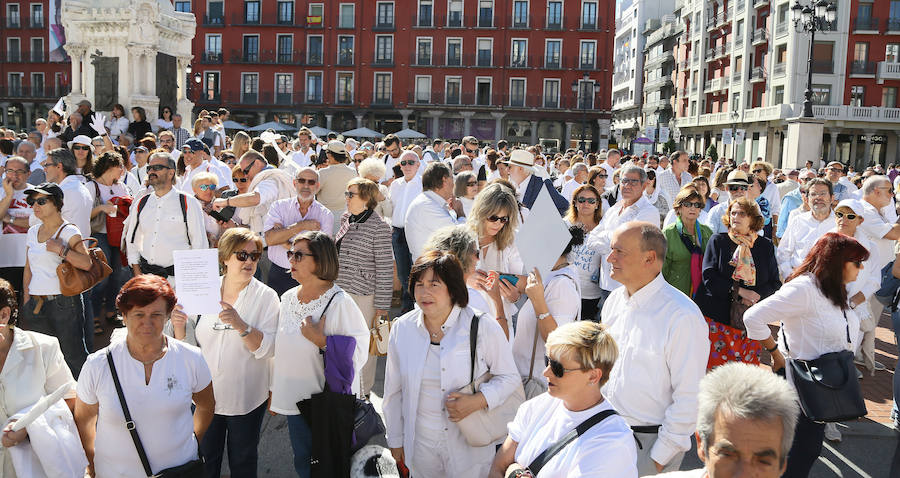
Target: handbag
<point>736,313</point>
<point>72,280</point>
<point>827,386</point>
<point>484,427</point>
<point>379,335</point>
<point>190,469</point>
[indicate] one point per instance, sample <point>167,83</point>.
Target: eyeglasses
<point>847,215</point>
<point>582,200</point>
<point>817,195</point>
<point>737,188</point>
<point>349,194</point>
<point>207,187</point>
<point>738,213</point>
<point>408,162</point>
<point>604,176</point>
<point>472,184</point>
<point>40,201</point>
<point>557,368</point>
<point>239,180</point>
<point>17,171</point>
<point>157,167</point>
<point>630,181</point>
<point>698,205</point>
<point>48,164</point>
<point>298,255</point>
<point>305,181</point>
<point>757,171</point>
<point>244,255</point>
<point>81,148</point>
<point>471,151</point>
<point>357,161</point>
<point>503,219</point>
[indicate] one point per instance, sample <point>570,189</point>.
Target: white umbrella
<point>273,125</point>
<point>409,134</point>
<point>362,133</point>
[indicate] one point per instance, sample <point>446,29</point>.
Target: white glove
<point>99,124</point>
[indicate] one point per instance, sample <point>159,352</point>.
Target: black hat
<point>48,188</point>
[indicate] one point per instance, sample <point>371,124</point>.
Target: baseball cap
<point>46,188</point>
<point>195,145</point>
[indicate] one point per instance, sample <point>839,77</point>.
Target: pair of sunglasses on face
<point>244,255</point>
<point>40,201</point>
<point>557,368</point>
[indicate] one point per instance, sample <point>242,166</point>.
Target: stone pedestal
<point>804,140</point>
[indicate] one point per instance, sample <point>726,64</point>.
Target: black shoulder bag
<point>827,386</point>
<point>190,469</point>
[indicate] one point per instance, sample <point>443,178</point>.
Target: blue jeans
<point>301,443</point>
<point>241,432</point>
<point>108,288</point>
<point>403,259</point>
<point>63,318</point>
<point>604,294</point>
<point>805,449</point>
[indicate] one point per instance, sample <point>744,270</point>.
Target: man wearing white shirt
<point>663,349</point>
<point>394,148</point>
<point>791,183</point>
<point>806,228</point>
<point>579,177</point>
<point>60,167</point>
<point>303,156</point>
<point>611,164</point>
<point>762,170</point>
<point>739,185</point>
<point>402,192</point>
<point>564,173</point>
<point>195,161</point>
<point>433,209</point>
<point>672,179</point>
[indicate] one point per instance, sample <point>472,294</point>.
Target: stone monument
<point>129,52</point>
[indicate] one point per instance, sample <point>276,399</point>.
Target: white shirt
<point>506,261</point>
<point>117,126</point>
<point>586,261</point>
<point>427,213</point>
<point>43,263</point>
<point>663,350</point>
<point>669,185</point>
<point>298,370</point>
<point>407,349</point>
<point>106,193</point>
<point>240,376</point>
<point>18,208</point>
<point>285,212</point>
<point>303,159</point>
<point>563,303</point>
<point>799,238</point>
<point>223,180</point>
<point>875,225</point>
<point>609,170</point>
<point>161,410</point>
<point>771,194</point>
<point>162,228</point>
<point>569,188</point>
<point>606,449</point>
<point>391,161</point>
<point>34,367</point>
<point>402,193</point>
<point>617,215</point>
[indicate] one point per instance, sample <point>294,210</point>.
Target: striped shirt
<point>366,258</point>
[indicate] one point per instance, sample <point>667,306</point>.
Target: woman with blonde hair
<point>240,144</point>
<point>586,211</point>
<point>198,127</point>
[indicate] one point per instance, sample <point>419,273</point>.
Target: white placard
<point>197,285</point>
<point>739,135</point>
<point>651,132</point>
<point>543,236</point>
<point>12,250</point>
<point>726,136</point>
<point>663,134</point>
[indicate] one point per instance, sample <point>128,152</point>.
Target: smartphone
<point>510,278</point>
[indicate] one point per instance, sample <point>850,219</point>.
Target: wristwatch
<point>246,332</point>
<point>543,316</point>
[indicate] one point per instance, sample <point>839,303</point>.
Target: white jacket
<point>53,448</point>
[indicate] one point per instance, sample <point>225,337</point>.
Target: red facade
<point>873,54</point>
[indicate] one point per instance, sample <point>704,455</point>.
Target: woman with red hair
<point>159,379</point>
<point>811,306</point>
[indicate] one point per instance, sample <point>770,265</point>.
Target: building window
<point>179,7</point>
<point>483,91</point>
<point>249,88</point>
<point>213,47</point>
<point>485,51</point>
<point>382,89</point>
<point>12,16</point>
<point>520,14</point>
<point>861,51</point>
<point>554,15</point>
<point>892,53</point>
<point>453,90</point>
<point>821,94</point>
<point>384,49</point>
<point>215,13</point>
<point>426,9</point>
<point>15,84</point>
<point>551,93</point>
<point>285,13</point>
<point>517,92</point>
<point>455,13</point>
<point>735,101</point>
<point>285,48</point>
<point>37,15</point>
<point>345,18</point>
<point>344,93</point>
<point>211,91</point>
<point>485,13</point>
<point>779,95</point>
<point>57,84</point>
<point>588,54</point>
<point>284,88</point>
<point>552,55</point>
<point>589,15</point>
<point>345,50</point>
<point>251,48</point>
<point>13,50</point>
<point>822,57</point>
<point>251,11</point>
<point>423,89</point>
<point>889,97</point>
<point>423,51</point>
<point>37,50</point>
<point>586,94</point>
<point>454,52</point>
<point>519,56</point>
<point>314,49</point>
<point>314,15</point>
<point>385,16</point>
<point>37,85</point>
<point>314,87</point>
<point>857,95</point>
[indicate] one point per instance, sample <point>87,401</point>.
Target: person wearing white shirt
<point>434,208</point>
<point>78,202</point>
<point>611,164</point>
<point>671,180</point>
<point>428,363</point>
<point>118,122</point>
<point>806,228</point>
<point>663,345</point>
<point>402,192</point>
<point>162,227</point>
<point>564,173</point>
<point>762,170</point>
<point>196,160</point>
<point>814,321</point>
<point>580,176</point>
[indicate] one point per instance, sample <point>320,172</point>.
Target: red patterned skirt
<point>728,344</point>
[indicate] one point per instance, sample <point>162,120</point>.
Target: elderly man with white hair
<point>529,180</point>
<point>579,177</point>
<point>402,192</point>
<point>28,151</point>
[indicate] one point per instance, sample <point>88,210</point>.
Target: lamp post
<point>812,18</point>
<point>635,129</point>
<point>734,119</point>
<point>583,91</point>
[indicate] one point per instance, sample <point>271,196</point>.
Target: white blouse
<point>405,370</point>
<point>586,261</point>
<point>43,263</point>
<point>298,370</point>
<point>240,376</point>
<point>506,261</point>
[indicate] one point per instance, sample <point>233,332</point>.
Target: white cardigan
<point>407,349</point>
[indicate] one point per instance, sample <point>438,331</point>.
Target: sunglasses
<point>157,167</point>
<point>604,176</point>
<point>757,171</point>
<point>582,200</point>
<point>239,180</point>
<point>738,188</point>
<point>698,205</point>
<point>48,164</point>
<point>409,162</point>
<point>244,255</point>
<point>503,219</point>
<point>207,187</point>
<point>357,161</point>
<point>471,151</point>
<point>305,181</point>
<point>557,368</point>
<point>847,215</point>
<point>40,201</point>
<point>81,148</point>
<point>349,194</point>
<point>298,255</point>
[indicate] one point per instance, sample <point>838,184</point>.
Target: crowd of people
<point>648,325</point>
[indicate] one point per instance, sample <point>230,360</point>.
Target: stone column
<point>498,126</point>
<point>359,119</point>
<point>435,123</point>
<point>4,113</point>
<point>134,63</point>
<point>405,115</point>
<point>867,158</point>
<point>328,118</point>
<point>76,53</point>
<point>180,74</point>
<point>262,117</point>
<point>28,115</point>
<point>567,139</point>
<point>832,148</point>
<point>534,132</point>
<point>298,119</point>
<point>467,122</point>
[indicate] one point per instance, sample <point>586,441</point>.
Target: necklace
<point>154,359</point>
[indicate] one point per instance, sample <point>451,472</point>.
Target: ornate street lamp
<point>812,18</point>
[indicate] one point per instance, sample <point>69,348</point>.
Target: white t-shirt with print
<point>18,208</point>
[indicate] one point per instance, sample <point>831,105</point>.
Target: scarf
<point>351,219</point>
<point>742,260</point>
<point>696,251</point>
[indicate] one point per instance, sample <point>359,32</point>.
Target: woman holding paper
<point>32,365</point>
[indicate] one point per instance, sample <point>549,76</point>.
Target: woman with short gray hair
<point>465,187</point>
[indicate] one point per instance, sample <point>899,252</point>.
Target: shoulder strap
<point>543,458</point>
<point>182,200</point>
<point>533,351</point>
<point>137,221</point>
<point>473,340</point>
<point>129,423</point>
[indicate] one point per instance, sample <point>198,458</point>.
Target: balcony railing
<point>269,18</point>
<point>757,74</point>
<point>861,67</point>
<point>518,61</point>
<point>258,57</point>
<point>12,22</point>
<point>515,22</point>
<point>781,29</point>
<point>867,24</point>
<point>422,60</point>
<point>345,60</point>
<point>658,83</point>
<point>213,20</point>
<point>384,27</point>
<point>760,3</point>
<point>888,70</point>
<point>760,36</point>
<point>211,57</point>
<point>590,26</point>
<point>376,61</point>
<point>779,69</point>
<point>381,101</point>
<point>24,56</point>
<point>22,91</point>
<point>893,25</point>
<point>422,22</point>
<point>495,100</point>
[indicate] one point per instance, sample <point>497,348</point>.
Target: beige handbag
<point>485,427</point>
<point>379,335</point>
<point>533,387</point>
